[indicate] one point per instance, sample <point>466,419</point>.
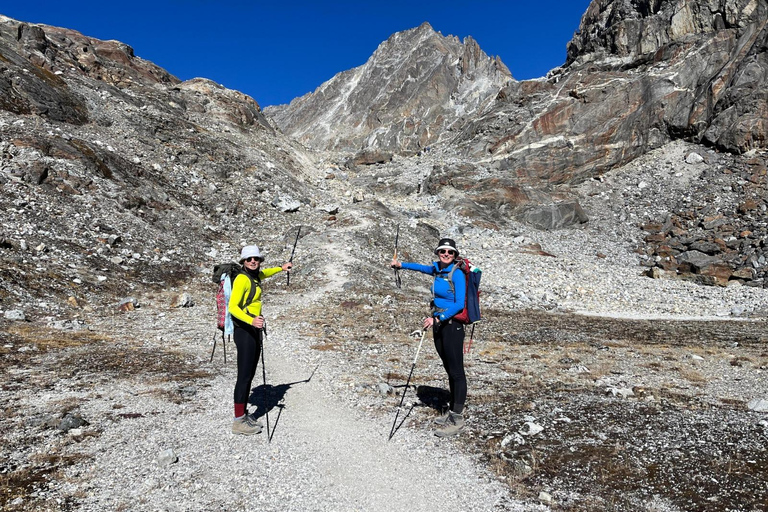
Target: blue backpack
<point>471,312</point>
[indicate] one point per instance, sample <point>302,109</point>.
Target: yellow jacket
<point>241,288</point>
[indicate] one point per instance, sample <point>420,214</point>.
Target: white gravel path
<point>325,455</point>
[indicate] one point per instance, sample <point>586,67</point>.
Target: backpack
<point>471,312</point>
<point>220,272</point>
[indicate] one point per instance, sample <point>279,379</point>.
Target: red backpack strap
<point>221,307</point>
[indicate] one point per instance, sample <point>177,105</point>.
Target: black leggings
<point>449,342</point>
<point>248,342</point>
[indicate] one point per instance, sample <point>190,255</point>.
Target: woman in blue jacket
<point>448,295</point>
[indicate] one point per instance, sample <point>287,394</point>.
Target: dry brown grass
<point>23,482</point>
<point>47,338</point>
<point>492,351</point>
<point>395,377</point>
<point>123,359</point>
<point>324,347</point>
<point>740,360</point>
<point>693,376</point>
<point>601,369</point>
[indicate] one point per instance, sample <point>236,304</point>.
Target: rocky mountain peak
<point>411,91</point>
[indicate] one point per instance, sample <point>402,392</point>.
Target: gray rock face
<point>638,75</point>
<point>51,55</point>
<point>719,50</point>
<point>39,90</point>
<point>416,86</point>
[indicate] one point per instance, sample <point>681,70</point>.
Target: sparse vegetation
<point>598,451</point>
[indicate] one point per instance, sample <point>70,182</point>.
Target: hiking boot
<point>255,420</point>
<point>440,420</point>
<point>453,425</point>
<point>244,425</point>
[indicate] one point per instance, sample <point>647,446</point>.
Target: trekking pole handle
<point>423,335</point>
<point>397,240</point>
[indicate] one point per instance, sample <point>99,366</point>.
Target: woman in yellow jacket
<point>245,308</point>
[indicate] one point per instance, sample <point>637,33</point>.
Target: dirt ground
<point>602,413</point>
<point>683,438</point>
<point>577,412</point>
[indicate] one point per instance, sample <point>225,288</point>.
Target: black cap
<point>447,243</point>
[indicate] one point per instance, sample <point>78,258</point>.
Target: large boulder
<point>555,216</point>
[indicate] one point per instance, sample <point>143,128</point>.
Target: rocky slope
<point>638,75</point>
<point>116,175</point>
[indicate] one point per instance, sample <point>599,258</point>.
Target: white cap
<point>250,251</point>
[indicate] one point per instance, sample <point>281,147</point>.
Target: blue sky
<point>277,50</point>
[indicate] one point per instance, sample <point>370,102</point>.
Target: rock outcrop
<point>724,102</point>
<point>638,75</point>
<point>715,231</point>
<point>415,87</point>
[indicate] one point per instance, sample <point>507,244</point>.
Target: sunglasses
<point>252,258</point>
<point>446,251</point>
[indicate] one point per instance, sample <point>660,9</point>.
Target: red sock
<point>239,410</point>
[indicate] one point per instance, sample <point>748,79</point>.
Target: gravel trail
<point>324,454</point>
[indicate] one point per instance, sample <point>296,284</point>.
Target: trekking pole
<point>264,375</point>
<point>288,274</point>
<point>392,432</point>
<point>223,344</point>
<point>214,347</point>
<point>468,346</point>
<point>398,282</point>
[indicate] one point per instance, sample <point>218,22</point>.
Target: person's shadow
<point>268,397</point>
<point>436,398</point>
<point>429,396</point>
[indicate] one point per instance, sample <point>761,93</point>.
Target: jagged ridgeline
<point>416,88</point>
<point>637,75</point>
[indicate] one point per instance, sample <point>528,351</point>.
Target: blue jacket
<point>447,302</point>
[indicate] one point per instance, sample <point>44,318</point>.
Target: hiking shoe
<point>244,425</point>
<point>453,425</point>
<point>440,420</point>
<point>255,420</point>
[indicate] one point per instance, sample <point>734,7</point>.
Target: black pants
<point>248,341</point>
<point>449,343</point>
